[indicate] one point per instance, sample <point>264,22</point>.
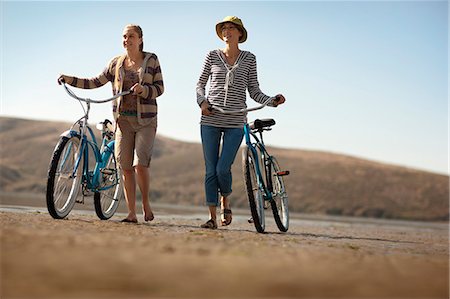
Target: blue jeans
<point>218,167</point>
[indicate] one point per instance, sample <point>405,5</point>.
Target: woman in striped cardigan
<point>135,114</point>
<point>231,72</point>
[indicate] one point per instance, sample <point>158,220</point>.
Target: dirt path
<point>83,257</point>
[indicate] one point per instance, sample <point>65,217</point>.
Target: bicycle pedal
<point>282,173</point>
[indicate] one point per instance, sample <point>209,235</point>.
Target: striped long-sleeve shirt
<point>150,77</point>
<point>241,77</point>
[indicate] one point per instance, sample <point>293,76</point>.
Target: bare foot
<point>130,219</point>
<point>126,220</point>
<point>149,216</point>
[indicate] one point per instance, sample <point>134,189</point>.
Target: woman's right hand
<point>62,79</point>
<point>206,108</point>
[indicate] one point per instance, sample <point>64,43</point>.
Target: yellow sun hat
<point>236,21</point>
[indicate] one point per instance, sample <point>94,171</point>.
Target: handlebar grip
<point>125,92</point>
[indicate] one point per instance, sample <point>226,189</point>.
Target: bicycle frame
<point>102,154</point>
<point>264,158</point>
<point>92,179</point>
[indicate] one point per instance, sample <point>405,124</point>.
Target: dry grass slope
<point>320,182</point>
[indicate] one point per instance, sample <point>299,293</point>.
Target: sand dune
<point>319,183</point>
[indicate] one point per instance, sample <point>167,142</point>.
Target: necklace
<point>231,59</point>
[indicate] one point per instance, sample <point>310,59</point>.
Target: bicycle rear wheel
<point>254,193</point>
<point>63,184</point>
<point>279,203</point>
<point>107,201</point>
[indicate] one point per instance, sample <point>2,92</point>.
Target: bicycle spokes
<point>106,200</point>
<point>279,202</point>
<point>64,178</point>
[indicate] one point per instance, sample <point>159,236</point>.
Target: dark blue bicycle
<point>262,174</point>
<point>70,170</point>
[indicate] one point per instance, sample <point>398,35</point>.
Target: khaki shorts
<point>134,142</point>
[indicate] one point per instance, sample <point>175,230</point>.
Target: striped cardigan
<point>150,77</point>
<point>232,95</point>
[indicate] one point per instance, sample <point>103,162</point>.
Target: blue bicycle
<point>262,174</point>
<point>70,170</point>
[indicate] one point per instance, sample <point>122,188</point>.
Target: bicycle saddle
<point>262,123</point>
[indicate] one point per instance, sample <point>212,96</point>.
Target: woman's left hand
<point>137,89</point>
<point>279,99</point>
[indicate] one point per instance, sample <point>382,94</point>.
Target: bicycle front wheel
<point>254,193</point>
<point>107,201</point>
<point>279,201</point>
<point>64,181</point>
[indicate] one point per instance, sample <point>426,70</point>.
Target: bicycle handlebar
<point>87,100</point>
<point>218,108</point>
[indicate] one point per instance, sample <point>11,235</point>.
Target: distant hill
<point>319,183</point>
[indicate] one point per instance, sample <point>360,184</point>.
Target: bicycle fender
<point>70,134</point>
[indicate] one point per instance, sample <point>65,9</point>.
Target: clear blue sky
<point>368,79</point>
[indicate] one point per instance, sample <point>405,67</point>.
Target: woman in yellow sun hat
<point>231,73</point>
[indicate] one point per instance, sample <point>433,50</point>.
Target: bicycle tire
<point>62,186</point>
<point>107,201</point>
<point>279,202</point>
<point>254,194</point>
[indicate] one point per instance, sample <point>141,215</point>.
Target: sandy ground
<point>171,257</point>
